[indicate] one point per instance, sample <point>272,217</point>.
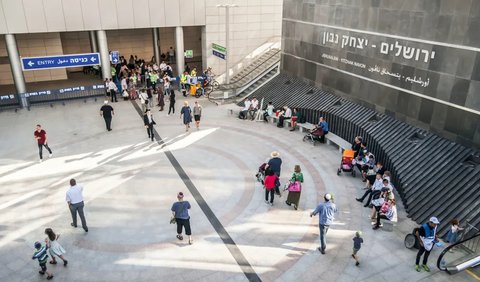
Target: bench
<point>388,225</point>
<point>305,126</point>
<point>334,139</point>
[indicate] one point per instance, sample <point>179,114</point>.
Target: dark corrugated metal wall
<point>434,176</point>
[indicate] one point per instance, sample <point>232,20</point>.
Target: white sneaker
<point>267,202</point>
<point>50,155</point>
<point>40,161</point>
<point>168,115</point>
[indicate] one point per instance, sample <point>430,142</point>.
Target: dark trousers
<point>113,94</point>
<point>171,108</point>
<point>369,194</point>
<point>183,223</point>
<point>272,195</point>
<point>108,122</point>
<point>150,131</point>
<point>281,119</point>
<point>265,115</point>
<point>40,148</point>
<point>380,216</point>
<point>322,137</point>
<point>420,253</point>
<point>78,207</point>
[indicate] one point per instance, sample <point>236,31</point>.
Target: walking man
<point>106,111</point>
<point>113,90</point>
<point>149,123</point>
<point>427,236</point>
<point>41,137</point>
<point>326,213</point>
<point>171,106</point>
<point>75,204</point>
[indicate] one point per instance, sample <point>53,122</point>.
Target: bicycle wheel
<point>215,84</point>
<point>208,89</point>
<point>199,92</point>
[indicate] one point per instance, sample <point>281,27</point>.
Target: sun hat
<point>434,220</point>
<point>275,154</point>
<point>328,197</point>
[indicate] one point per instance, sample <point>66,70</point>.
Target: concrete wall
<point>31,16</point>
<point>252,23</point>
<point>417,60</point>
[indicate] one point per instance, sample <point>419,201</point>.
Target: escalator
<point>463,255</point>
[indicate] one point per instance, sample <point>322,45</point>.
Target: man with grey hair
<point>74,199</point>
<point>326,211</point>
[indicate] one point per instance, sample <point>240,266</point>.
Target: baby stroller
<point>261,173</point>
<point>346,164</point>
<point>314,135</point>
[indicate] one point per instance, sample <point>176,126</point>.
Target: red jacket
<point>269,181</point>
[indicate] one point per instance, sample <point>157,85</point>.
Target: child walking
<point>357,244</point>
<point>452,236</point>
<point>41,255</point>
<point>55,248</point>
<point>270,182</point>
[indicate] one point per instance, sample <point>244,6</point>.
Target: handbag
<point>173,220</point>
<point>295,186</point>
<point>384,208</point>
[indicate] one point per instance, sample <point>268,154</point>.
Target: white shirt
<point>163,66</point>
<point>124,84</point>
<point>74,194</point>
<point>143,96</point>
<point>288,113</point>
<point>247,105</point>
<point>377,185</point>
<point>255,104</point>
<point>112,86</point>
<point>270,109</point>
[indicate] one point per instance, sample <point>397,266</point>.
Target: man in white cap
<point>427,236</point>
<point>326,211</point>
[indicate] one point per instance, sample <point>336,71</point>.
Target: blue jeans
<point>323,236</point>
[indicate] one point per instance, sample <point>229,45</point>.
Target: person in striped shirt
<point>41,255</point>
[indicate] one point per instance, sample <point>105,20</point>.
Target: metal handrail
<point>471,244</point>
<point>226,86</point>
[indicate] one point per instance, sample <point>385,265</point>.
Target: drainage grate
<point>374,119</point>
<point>416,138</point>
<point>472,161</point>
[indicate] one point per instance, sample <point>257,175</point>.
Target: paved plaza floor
<point>130,184</point>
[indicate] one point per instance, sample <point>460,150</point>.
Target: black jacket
<point>145,120</point>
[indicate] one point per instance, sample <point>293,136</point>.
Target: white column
<point>156,43</point>
<point>93,41</point>
<point>179,49</point>
<point>15,64</point>
<point>204,48</point>
<point>104,53</point>
<point>227,43</point>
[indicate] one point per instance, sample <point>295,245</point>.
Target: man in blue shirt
<point>324,125</point>
<point>326,213</point>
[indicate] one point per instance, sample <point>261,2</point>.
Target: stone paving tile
<point>130,185</point>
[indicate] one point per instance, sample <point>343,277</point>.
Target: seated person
<point>253,108</point>
<point>243,113</point>
<point>286,113</point>
<point>390,213</point>
<point>268,111</point>
<point>324,125</point>
<point>296,116</point>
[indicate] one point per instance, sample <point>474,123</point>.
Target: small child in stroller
<point>261,173</point>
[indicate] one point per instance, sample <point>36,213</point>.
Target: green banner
<point>219,48</point>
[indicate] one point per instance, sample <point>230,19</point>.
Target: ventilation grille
<point>472,161</point>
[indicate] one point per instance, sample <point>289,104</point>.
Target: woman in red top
<point>270,182</point>
<point>41,137</point>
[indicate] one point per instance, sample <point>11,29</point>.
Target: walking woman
<point>295,187</point>
<point>161,98</point>
<point>171,106</point>
<point>54,247</point>
<point>182,218</point>
<point>186,113</point>
<point>197,114</point>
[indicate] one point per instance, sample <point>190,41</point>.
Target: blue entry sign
<point>63,61</point>
<point>218,54</point>
<point>114,57</point>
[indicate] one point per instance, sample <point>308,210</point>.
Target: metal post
<point>104,54</point>
<point>156,49</point>
<point>227,43</point>
<point>93,41</point>
<point>16,66</point>
<point>227,39</point>
<point>179,49</point>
